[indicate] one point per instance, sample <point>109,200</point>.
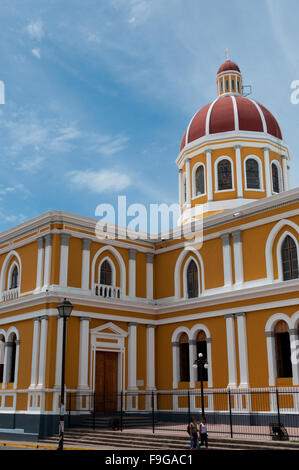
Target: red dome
<point>231,113</point>
<point>228,65</point>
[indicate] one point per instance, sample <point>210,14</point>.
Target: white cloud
<point>36,53</point>
<point>100,181</point>
<point>35,30</point>
<point>31,165</point>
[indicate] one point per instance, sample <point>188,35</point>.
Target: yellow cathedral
<point>144,309</point>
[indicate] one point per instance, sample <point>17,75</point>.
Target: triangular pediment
<point>109,329</point>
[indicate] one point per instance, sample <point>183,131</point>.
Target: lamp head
<point>65,309</point>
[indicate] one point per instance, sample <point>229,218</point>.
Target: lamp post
<point>201,364</point>
<point>64,310</point>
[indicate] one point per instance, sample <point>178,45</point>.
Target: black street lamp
<point>64,310</point>
<point>201,364</point>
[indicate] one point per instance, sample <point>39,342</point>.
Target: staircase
<point>144,440</point>
<point>104,421</point>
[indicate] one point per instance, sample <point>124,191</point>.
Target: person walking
<point>203,432</point>
<point>193,428</point>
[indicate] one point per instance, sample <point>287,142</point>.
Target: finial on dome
<point>227,53</point>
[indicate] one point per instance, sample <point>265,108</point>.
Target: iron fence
<point>266,414</point>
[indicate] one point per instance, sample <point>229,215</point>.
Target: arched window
<point>275,178</point>
<point>184,358</point>
<point>283,350</point>
<point>224,172</point>
<point>201,347</point>
<point>289,257</point>
<point>11,357</point>
<point>14,278</point>
<point>252,174</point>
<point>200,180</point>
<point>106,274</point>
<point>192,280</point>
<point>2,348</point>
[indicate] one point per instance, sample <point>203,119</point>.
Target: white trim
<point>6,261</point>
<point>185,283</point>
<point>35,353</point>
<point>83,354</point>
<point>260,170</point>
<point>231,351</point>
<point>132,357</point>
<point>64,257</point>
<point>217,161</point>
<point>243,353</point>
<point>43,352</point>
<point>280,183</point>
<point>278,252</point>
<point>122,267</point>
<point>236,116</point>
<point>177,272</point>
<point>194,169</point>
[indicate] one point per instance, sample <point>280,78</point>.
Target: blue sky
<point>99,93</point>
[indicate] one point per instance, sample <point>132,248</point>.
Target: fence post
<point>94,412</point>
<point>278,409</point>
<point>230,414</point>
<point>189,410</point>
<point>121,410</point>
<point>153,412</point>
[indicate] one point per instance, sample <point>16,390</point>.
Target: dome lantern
<point>229,79</point>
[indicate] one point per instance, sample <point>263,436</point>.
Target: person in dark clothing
<point>194,444</point>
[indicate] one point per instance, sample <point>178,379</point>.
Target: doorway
<point>106,382</point>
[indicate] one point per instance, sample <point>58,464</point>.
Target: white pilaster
<point>238,257</point>
<point>48,255</point>
<point>180,188</point>
<point>239,171</point>
<point>209,182</point>
<point>209,359</point>
<point>149,276</point>
<point>132,272</point>
<point>267,171</point>
<point>40,263</point>
<point>150,357</point>
<point>83,354</point>
<point>295,366</point>
<point>58,352</point>
<point>285,173</point>
<point>231,351</point>
<point>188,183</point>
<point>227,259</point>
<point>192,357</point>
<point>17,357</point>
<point>132,357</point>
<point>43,351</point>
<point>85,263</point>
<point>6,352</point>
<point>272,370</point>
<point>8,362</point>
<point>243,355</point>
<point>35,352</point>
<point>64,256</point>
<point>175,363</point>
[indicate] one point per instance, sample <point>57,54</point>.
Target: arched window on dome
<point>184,358</point>
<point>224,175</point>
<point>14,278</point>
<point>289,257</point>
<point>200,180</point>
<point>283,349</point>
<point>192,280</point>
<point>201,347</point>
<point>106,273</point>
<point>276,180</point>
<point>252,174</point>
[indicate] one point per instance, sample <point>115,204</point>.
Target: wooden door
<point>106,382</point>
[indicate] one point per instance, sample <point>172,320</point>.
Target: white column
<point>150,357</point>
<point>238,256</point>
<point>239,171</point>
<point>58,352</point>
<point>7,363</point>
<point>83,354</point>
<point>209,182</point>
<point>48,255</point>
<point>40,263</point>
<point>188,185</point>
<point>243,355</point>
<point>35,352</point>
<point>149,276</point>
<point>227,259</point>
<point>175,363</point>
<point>192,357</point>
<point>132,357</point>
<point>209,359</point>
<point>132,272</point>
<point>64,256</point>
<point>285,173</point>
<point>231,351</point>
<point>180,188</point>
<point>85,263</point>
<point>270,336</point>
<point>267,171</point>
<point>6,353</point>
<point>295,366</point>
<point>15,385</point>
<point>43,351</point>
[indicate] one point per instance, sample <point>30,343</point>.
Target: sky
<point>98,93</point>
